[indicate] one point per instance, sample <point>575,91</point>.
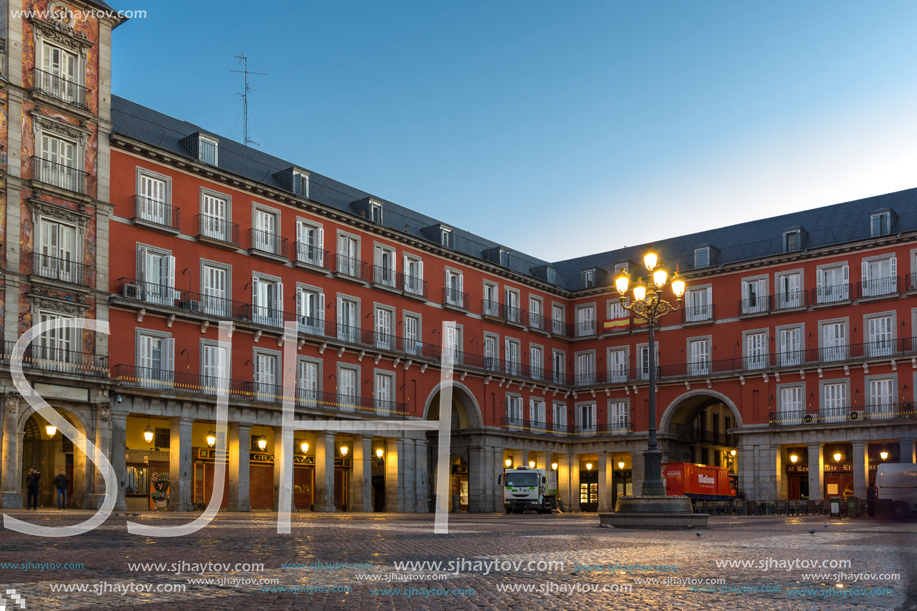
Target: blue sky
<point>555,128</point>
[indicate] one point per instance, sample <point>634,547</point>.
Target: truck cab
<point>525,489</point>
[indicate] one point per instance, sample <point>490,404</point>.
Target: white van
<point>897,484</point>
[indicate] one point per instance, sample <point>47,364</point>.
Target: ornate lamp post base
<point>652,482</point>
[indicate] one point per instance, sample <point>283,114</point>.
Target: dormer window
<point>375,212</point>
<point>588,278</point>
<point>620,268</point>
<point>445,237</point>
<point>208,149</point>
<point>301,184</point>
<point>702,256</point>
<point>880,223</point>
<point>792,240</point>
<point>552,275</point>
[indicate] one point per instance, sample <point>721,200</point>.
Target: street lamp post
<point>648,304</point>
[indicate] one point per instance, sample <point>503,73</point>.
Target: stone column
<point>564,483</point>
<point>767,467</point>
<point>181,476</point>
<point>10,471</point>
<point>421,476</point>
<point>495,470</point>
<point>283,452</point>
<point>478,477</point>
<point>906,446</point>
<point>816,473</point>
<point>118,453</point>
<point>361,482</point>
<point>324,471</point>
<point>605,481</point>
<point>394,474</point>
<point>103,442</point>
<point>408,457</point>
<point>860,469</point>
<point>238,446</point>
<point>574,483</point>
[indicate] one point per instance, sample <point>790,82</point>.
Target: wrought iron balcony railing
<point>268,243</point>
<point>60,88</point>
<point>156,212</point>
<point>59,360</point>
<point>61,270</point>
<point>61,176</point>
<point>218,229</point>
<point>311,255</point>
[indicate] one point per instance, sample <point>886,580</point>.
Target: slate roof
<point>820,226</point>
<point>146,125</point>
<point>835,224</point>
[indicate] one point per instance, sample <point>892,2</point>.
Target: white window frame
<point>513,299</point>
<point>537,413</point>
<point>587,416</point>
<point>163,292</point>
<point>834,292</point>
<point>310,254</point>
<point>536,312</point>
<point>384,335</point>
<point>267,381</point>
<point>211,302</point>
<point>306,295</point>
<point>557,323</point>
<point>266,314</point>
<point>559,417</point>
<point>413,283</point>
<point>491,350</point>
<point>588,278</point>
<point>150,207</point>
<point>384,404</point>
<point>536,363</point>
<point>215,226</point>
<point>880,223</point>
<point>491,299</point>
<point>872,286</point>
<point>616,363</point>
<point>787,354</point>
<point>413,345</point>
<point>149,375</point>
<point>515,415</point>
<point>203,143</point>
<point>785,296</point>
<point>877,346</point>
<point>618,416</point>
<point>755,349</point>
<point>210,383</point>
<point>834,397</point>
<point>348,330</point>
<point>512,353</point>
<point>305,396</point>
<point>263,240</point>
<point>558,357</point>
<point>349,259</point>
<point>702,257</point>
<point>586,324</point>
<point>585,367</point>
<point>385,275</point>
<point>755,295</point>
<point>702,312</point>
<point>883,406</point>
<point>454,295</point>
<point>837,330</point>
<point>348,402</point>
<point>700,355</point>
<point>791,412</point>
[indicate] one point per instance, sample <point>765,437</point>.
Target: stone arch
<point>463,402</point>
<point>697,400</point>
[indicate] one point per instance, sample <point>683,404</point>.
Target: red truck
<point>698,481</point>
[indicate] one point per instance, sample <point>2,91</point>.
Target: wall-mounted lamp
<point>531,464</point>
<point>304,446</point>
<point>588,466</point>
<point>343,450</point>
<point>50,429</point>
<point>732,452</point>
<point>620,464</point>
<point>379,453</point>
<point>211,439</point>
<point>883,455</point>
<point>837,457</point>
<point>509,463</point>
<point>554,466</point>
<point>793,458</point>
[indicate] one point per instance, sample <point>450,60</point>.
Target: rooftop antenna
<point>244,71</point>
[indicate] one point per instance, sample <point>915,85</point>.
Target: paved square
<point>490,561</point>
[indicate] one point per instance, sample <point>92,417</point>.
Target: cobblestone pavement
<point>544,562</point>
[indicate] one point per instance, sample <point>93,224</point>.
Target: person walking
<point>33,483</point>
<point>61,482</point>
<point>872,495</point>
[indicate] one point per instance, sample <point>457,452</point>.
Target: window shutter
<point>745,292</point>
<point>320,315</point>
<point>893,267</point>
<point>762,287</point>
<point>864,267</point>
<point>846,273</point>
<point>340,311</point>
<point>255,290</point>
<point>170,275</point>
<point>420,269</point>
<point>279,305</point>
<point>820,278</point>
<point>141,259</point>
<point>300,303</point>
<point>689,300</point>
<point>168,357</point>
<point>709,303</point>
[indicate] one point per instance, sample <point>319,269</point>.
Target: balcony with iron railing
<point>268,244</point>
<point>218,231</point>
<point>61,176</point>
<point>835,293</point>
<point>313,256</point>
<point>585,328</point>
<point>455,299</point>
<point>190,301</point>
<point>524,425</point>
<point>503,312</point>
<point>699,313</point>
<point>539,322</point>
<point>156,214</point>
<point>58,360</point>
<point>385,278</point>
<point>60,88</point>
<point>755,305</point>
<point>889,286</point>
<point>791,300</point>
<point>837,415</point>
<point>61,270</point>
<point>414,286</point>
<point>251,390</point>
<point>350,268</point>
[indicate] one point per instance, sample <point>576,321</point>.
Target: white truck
<point>529,489</point>
<point>897,485</point>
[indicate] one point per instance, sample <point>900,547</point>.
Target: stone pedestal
<point>654,513</point>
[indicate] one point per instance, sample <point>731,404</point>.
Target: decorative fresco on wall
<point>71,28</point>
